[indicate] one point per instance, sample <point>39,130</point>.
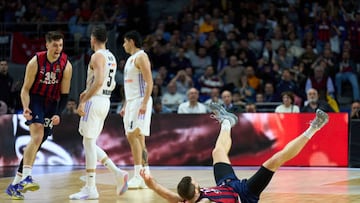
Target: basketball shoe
<point>13,192</point>
<point>85,193</point>
<point>28,184</point>
<point>121,178</point>
<point>221,114</point>
<point>320,120</point>
<point>137,182</point>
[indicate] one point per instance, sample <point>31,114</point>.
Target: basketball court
<point>289,184</point>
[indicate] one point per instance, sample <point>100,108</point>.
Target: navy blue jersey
<point>49,75</point>
<point>220,194</point>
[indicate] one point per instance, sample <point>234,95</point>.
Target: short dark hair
<point>289,94</point>
<point>185,188</point>
<point>135,36</point>
<point>53,36</point>
<point>100,33</point>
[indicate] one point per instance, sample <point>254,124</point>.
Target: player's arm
<point>66,80</point>
<point>64,88</point>
<point>165,193</point>
<point>143,63</point>
<point>97,63</point>
<point>30,74</point>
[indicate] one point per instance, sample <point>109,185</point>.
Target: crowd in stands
<point>297,54</point>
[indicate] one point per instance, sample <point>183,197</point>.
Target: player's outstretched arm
<point>165,193</point>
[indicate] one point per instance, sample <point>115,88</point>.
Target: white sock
<point>90,179</point>
<point>225,125</point>
<point>27,169</point>
<point>147,169</point>
<point>310,132</point>
<point>17,178</point>
<point>137,169</point>
<point>109,164</point>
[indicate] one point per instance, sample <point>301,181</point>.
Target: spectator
<point>246,55</point>
<point>71,107</point>
<point>269,92</point>
<point>157,92</point>
<point>228,104</point>
<point>182,81</point>
<point>172,98</point>
<point>179,62</point>
<point>260,98</point>
<point>201,61</point>
<point>77,28</point>
<point>268,53</point>
<point>250,108</point>
<point>308,58</point>
<point>207,25</point>
<point>3,108</point>
<point>231,74</point>
<point>159,81</point>
<point>323,84</point>
<point>6,84</point>
<point>226,25</point>
<point>158,108</point>
<point>287,83</point>
<point>214,97</point>
<point>355,110</point>
<point>263,27</point>
<point>282,60</point>
<point>208,81</point>
<point>221,61</point>
<point>255,45</point>
<point>248,94</point>
<point>192,106</point>
<point>287,105</point>
<point>328,61</point>
<point>347,73</point>
<point>252,79</point>
<point>322,31</point>
<point>277,39</point>
<point>314,102</point>
<point>354,35</point>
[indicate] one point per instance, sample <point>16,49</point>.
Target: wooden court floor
<point>289,184</point>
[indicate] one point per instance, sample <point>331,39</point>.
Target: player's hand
<point>142,109</point>
<point>81,109</point>
<point>55,120</point>
<point>27,114</point>
<point>149,181</point>
<point>81,97</point>
<point>122,111</point>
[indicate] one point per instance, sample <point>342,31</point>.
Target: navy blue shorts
<point>42,111</point>
<point>224,175</point>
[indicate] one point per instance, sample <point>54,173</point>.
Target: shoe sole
<point>321,114</point>
<point>222,111</point>
<point>17,198</point>
<point>125,186</point>
<point>14,197</point>
<point>30,188</point>
<point>138,187</point>
<point>84,198</point>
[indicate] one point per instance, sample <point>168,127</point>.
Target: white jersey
<point>109,74</point>
<point>134,83</point>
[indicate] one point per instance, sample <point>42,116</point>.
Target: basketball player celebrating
<point>44,96</point>
<point>229,188</point>
<point>93,108</point>
<point>138,84</point>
